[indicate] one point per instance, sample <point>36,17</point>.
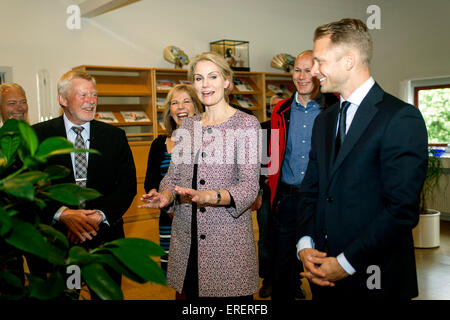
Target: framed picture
<point>6,74</point>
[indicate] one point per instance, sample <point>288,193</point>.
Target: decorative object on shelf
<point>283,61</point>
<point>235,53</point>
<point>176,56</point>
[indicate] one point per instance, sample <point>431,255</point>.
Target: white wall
<point>413,41</point>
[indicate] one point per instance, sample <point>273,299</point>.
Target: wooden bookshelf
<point>125,89</point>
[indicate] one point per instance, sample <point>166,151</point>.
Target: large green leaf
<point>9,145</point>
<point>144,246</point>
<point>20,188</point>
<point>50,288</point>
<point>79,256</point>
<point>100,282</point>
<point>5,222</point>
<point>32,176</point>
<point>70,193</point>
<point>56,146</point>
<point>11,126</point>
<point>10,278</point>
<point>56,172</point>
<point>3,160</point>
<point>29,136</point>
<point>26,237</point>
<point>136,254</point>
<point>54,236</point>
<point>57,242</point>
<point>109,259</point>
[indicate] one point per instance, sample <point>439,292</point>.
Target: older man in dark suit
<point>360,194</point>
<point>112,172</point>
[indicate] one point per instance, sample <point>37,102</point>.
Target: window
<point>434,103</point>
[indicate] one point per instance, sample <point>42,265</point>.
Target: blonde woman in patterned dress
<point>212,181</point>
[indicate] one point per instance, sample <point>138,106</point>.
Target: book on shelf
<point>282,89</point>
<point>160,102</point>
<point>161,121</point>
<point>134,116</point>
<point>106,116</point>
<point>275,89</point>
<point>187,82</point>
<point>165,84</point>
<point>244,101</point>
<point>242,85</point>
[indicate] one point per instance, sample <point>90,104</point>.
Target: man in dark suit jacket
<point>367,166</point>
<point>112,173</point>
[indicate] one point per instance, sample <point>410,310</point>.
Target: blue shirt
<point>299,141</point>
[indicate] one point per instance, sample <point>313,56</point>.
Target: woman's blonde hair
<point>219,61</point>
<point>169,122</point>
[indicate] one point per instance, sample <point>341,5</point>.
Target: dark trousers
<point>265,241</point>
<point>287,267</point>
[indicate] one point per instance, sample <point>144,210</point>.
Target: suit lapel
<point>66,160</point>
<point>330,134</point>
<point>93,144</point>
<point>364,115</point>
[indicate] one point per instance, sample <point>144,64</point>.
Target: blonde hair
<point>219,61</point>
<point>352,32</point>
<point>169,122</point>
<point>7,86</point>
<point>65,82</point>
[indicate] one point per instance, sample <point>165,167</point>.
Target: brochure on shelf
<point>160,102</point>
<point>105,116</point>
<point>187,82</point>
<point>134,116</point>
<point>242,84</point>
<point>244,101</point>
<point>165,84</point>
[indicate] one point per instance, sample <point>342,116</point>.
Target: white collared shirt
<point>355,99</point>
<point>71,136</point>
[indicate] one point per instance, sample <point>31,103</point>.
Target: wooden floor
<point>433,267</point>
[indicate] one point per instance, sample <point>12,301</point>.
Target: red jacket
<point>280,121</point>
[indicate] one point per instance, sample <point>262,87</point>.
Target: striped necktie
<point>80,159</point>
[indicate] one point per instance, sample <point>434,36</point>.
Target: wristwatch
<point>218,196</point>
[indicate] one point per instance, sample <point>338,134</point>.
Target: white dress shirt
<point>71,136</point>
<point>355,100</point>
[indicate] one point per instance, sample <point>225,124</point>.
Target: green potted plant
<point>427,232</point>
<point>25,189</point>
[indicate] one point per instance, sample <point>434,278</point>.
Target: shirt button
<point>202,209</point>
<point>303,141</point>
<point>202,181</point>
<point>202,236</point>
<point>304,126</point>
<point>209,130</point>
<point>303,157</point>
<point>306,111</point>
<point>302,172</point>
<point>204,154</point>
